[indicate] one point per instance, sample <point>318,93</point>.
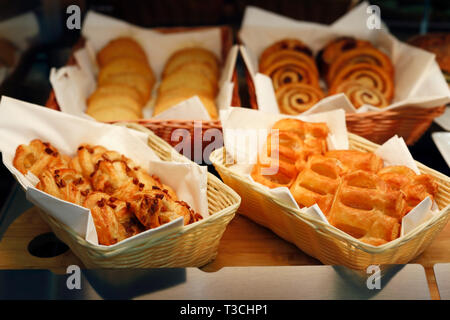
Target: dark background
<point>52,47</point>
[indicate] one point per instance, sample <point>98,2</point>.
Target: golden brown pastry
<point>37,156</point>
<point>119,48</point>
<point>368,75</point>
<point>335,48</point>
<point>295,45</point>
<point>360,94</point>
<point>123,198</point>
<point>192,55</point>
<point>352,160</point>
<point>364,208</point>
<point>295,98</point>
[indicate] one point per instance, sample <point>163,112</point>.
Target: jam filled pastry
<point>296,98</point>
<point>365,208</point>
<point>415,188</point>
<point>367,74</point>
<point>335,48</point>
<point>65,184</point>
<point>364,55</point>
<point>352,160</point>
<point>290,71</point>
<point>37,156</point>
<point>317,183</point>
<point>359,94</point>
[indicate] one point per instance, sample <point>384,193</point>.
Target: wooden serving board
<point>244,243</point>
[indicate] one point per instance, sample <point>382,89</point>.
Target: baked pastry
<point>282,55</point>
<point>189,72</point>
<point>368,75</point>
<point>175,96</point>
<point>363,55</point>
<point>415,188</point>
<point>317,183</point>
<point>191,55</point>
<point>360,94</point>
<point>123,198</point>
<point>37,156</point>
<point>124,83</point>
<point>295,45</point>
<point>286,151</point>
<point>66,184</point>
<point>352,160</point>
<point>295,98</point>
<point>120,48</point>
<point>364,208</point>
<point>335,48</point>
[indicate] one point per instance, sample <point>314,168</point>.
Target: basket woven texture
<point>193,245</point>
<point>379,126</point>
<point>324,242</point>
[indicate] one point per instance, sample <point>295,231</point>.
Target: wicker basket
<point>379,126</point>
<point>325,242</point>
<point>193,246</point>
<point>164,128</point>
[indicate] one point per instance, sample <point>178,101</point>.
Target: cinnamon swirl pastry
<point>364,55</point>
<point>335,48</point>
<point>286,44</point>
<point>282,55</point>
<point>291,71</point>
<point>368,75</point>
<point>295,98</point>
<point>359,94</point>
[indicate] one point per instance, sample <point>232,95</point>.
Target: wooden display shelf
<point>244,243</point>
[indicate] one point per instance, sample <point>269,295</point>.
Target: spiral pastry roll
<point>335,48</point>
<point>296,98</point>
<point>282,55</point>
<point>365,55</point>
<point>291,71</point>
<point>286,44</point>
<point>368,75</point>
<point>359,94</point>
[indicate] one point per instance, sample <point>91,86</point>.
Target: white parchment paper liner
<point>393,152</point>
<point>418,79</point>
<point>21,122</point>
<point>74,84</point>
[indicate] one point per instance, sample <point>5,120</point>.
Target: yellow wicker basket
<point>325,242</point>
<point>193,246</point>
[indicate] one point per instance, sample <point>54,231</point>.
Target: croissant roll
<point>359,94</point>
<point>291,71</point>
<point>368,75</point>
<point>365,208</point>
<point>335,48</point>
<point>286,44</point>
<point>282,55</point>
<point>295,98</point>
<point>366,55</point>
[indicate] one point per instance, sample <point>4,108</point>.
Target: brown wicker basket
<point>323,241</point>
<point>379,126</point>
<point>164,128</point>
<point>192,246</point>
